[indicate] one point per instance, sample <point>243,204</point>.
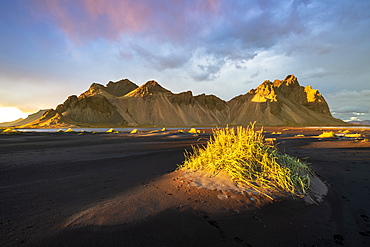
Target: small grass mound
<point>327,134</point>
<point>344,131</point>
<point>194,131</point>
<point>276,133</point>
<point>244,156</point>
<point>111,130</point>
<point>9,130</point>
<point>357,135</point>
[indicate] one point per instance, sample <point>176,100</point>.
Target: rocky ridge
<point>123,103</point>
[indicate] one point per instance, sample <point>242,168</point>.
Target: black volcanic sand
<point>65,189</point>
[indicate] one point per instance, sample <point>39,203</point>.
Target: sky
<point>56,48</point>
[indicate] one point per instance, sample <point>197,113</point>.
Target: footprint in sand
<point>365,217</point>
<point>338,239</point>
<point>366,234</point>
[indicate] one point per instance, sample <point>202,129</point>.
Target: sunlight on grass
<point>244,156</point>
<point>111,130</point>
<point>193,131</point>
<point>353,135</point>
<point>344,131</point>
<point>9,130</point>
<point>327,134</point>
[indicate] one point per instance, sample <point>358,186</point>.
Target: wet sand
<point>121,190</point>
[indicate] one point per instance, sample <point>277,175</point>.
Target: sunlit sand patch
<point>221,182</point>
<point>181,192</point>
<point>172,191</point>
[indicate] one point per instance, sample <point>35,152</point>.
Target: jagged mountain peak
<point>149,88</point>
<point>122,81</point>
<point>291,80</point>
<point>154,86</point>
<point>117,89</point>
<point>121,87</point>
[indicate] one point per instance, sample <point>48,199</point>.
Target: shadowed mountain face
<point>123,103</point>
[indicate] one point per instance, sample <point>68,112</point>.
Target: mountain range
<point>123,103</point>
<point>359,122</point>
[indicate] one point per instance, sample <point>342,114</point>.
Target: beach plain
<point>122,189</point>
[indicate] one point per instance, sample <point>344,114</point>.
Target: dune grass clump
<point>327,134</point>
<point>357,135</point>
<point>194,131</point>
<point>344,131</point>
<point>244,156</point>
<point>111,130</point>
<point>9,130</point>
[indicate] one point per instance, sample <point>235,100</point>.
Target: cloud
<point>206,72</point>
<point>350,104</point>
<point>90,19</point>
<point>87,19</point>
<point>218,42</point>
<point>358,110</point>
<point>255,74</point>
<point>162,58</point>
<point>232,31</point>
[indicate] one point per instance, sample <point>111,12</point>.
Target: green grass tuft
<point>249,161</point>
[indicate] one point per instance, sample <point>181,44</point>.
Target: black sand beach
<point>65,189</point>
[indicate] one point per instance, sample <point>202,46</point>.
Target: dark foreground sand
<point>120,190</point>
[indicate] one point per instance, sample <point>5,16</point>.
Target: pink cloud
<point>120,15</point>
<point>89,19</point>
